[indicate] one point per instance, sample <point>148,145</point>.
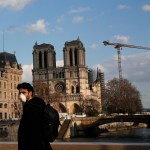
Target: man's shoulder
<point>37,101</point>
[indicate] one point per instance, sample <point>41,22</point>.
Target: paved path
<point>85,146</point>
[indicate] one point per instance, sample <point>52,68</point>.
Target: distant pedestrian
<point>30,132</point>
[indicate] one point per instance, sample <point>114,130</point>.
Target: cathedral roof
<point>74,42</point>
<point>44,45</point>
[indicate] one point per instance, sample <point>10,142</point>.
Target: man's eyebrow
<point>23,92</point>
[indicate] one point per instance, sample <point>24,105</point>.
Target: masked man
<point>30,132</point>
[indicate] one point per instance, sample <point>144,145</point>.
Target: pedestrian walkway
<point>85,146</point>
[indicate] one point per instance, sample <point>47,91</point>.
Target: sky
<point>24,22</point>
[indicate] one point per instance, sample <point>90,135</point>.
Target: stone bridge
<point>120,118</point>
<point>89,126</point>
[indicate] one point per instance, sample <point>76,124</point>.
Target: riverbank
<point>113,127</point>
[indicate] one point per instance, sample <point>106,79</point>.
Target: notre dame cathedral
<point>74,81</point>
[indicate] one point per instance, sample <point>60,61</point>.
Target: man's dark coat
<point>30,132</point>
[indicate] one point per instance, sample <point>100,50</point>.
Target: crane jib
<point>118,45</point>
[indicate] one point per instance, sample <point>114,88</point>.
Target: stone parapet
<point>85,145</point>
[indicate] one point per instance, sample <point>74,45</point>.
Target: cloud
<point>146,8</point>
<point>78,19</point>
<point>11,29</point>
<point>59,63</point>
<point>134,67</point>
<point>93,46</point>
<point>14,4</point>
<point>27,73</point>
<point>99,67</point>
<point>79,10</point>
<point>60,19</point>
<point>39,26</point>
<point>137,68</point>
<point>59,29</point>
<point>122,38</point>
<point>122,6</point>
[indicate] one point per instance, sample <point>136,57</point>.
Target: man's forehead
<point>22,89</point>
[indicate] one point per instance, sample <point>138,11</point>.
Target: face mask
<point>22,97</point>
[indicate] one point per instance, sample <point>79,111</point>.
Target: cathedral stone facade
<point>70,81</point>
<point>10,76</point>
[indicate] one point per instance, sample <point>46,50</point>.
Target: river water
<point>141,135</point>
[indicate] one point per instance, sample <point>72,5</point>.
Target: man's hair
<point>25,85</point>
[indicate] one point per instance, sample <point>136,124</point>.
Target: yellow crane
<point>119,46</point>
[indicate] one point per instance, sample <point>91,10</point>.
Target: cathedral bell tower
<point>75,70</point>
<point>44,62</point>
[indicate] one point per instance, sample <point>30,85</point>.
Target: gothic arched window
<point>76,57</point>
<point>72,89</point>
<point>45,60</point>
<point>77,89</point>
<point>40,60</point>
<point>70,54</point>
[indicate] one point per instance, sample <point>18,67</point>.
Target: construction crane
<point>119,46</point>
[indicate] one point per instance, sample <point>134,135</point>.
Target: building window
<point>1,105</point>
<point>70,55</point>
<point>15,96</point>
<point>77,89</point>
<point>5,95</point>
<point>72,89</point>
<point>75,54</point>
<point>40,60</point>
<point>56,75</point>
<point>11,86</point>
<point>15,86</point>
<point>45,60</point>
<point>4,85</point>
<point>5,115</point>
<point>1,116</point>
<point>59,74</point>
<point>5,105</point>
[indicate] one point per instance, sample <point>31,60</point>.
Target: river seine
<point>141,135</point>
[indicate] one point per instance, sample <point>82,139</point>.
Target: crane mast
<point>119,46</point>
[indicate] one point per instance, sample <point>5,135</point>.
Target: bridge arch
<point>125,118</point>
<point>75,109</point>
<point>59,107</point>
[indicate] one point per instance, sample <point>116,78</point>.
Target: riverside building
<point>10,76</point>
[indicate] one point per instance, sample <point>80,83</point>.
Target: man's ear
<point>30,93</point>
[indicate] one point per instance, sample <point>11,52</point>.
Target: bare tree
<point>42,90</point>
<point>121,97</point>
<point>91,107</point>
